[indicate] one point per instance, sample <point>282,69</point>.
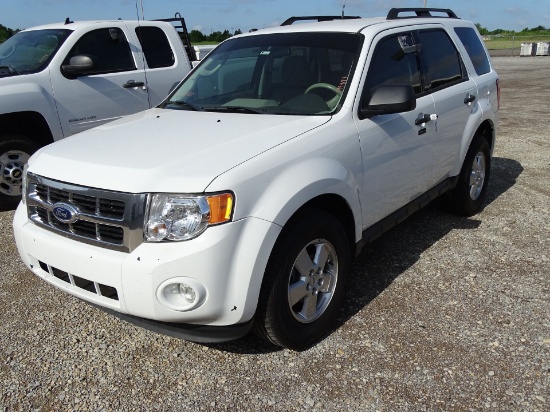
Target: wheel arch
<point>487,129</point>
<point>335,205</point>
<point>28,123</point>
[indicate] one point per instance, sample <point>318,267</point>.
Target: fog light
<point>181,294</point>
<point>187,292</point>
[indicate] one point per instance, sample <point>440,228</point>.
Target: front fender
<point>275,184</point>
<point>30,93</point>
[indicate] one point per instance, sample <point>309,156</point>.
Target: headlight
<point>24,184</point>
<point>183,217</point>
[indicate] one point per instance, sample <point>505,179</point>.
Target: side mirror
<point>389,99</point>
<point>78,65</point>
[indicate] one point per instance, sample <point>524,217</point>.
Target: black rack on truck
<point>179,23</point>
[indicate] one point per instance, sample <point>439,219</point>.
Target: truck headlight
<point>24,184</point>
<point>182,217</point>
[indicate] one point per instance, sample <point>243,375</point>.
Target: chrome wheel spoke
<point>303,263</point>
<point>309,310</point>
<point>297,291</point>
<point>321,254</point>
<point>327,283</point>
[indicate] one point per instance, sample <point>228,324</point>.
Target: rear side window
<point>441,58</point>
<point>473,46</point>
<point>156,47</point>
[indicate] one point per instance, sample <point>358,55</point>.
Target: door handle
<point>425,119</point>
<point>469,99</point>
<point>132,83</point>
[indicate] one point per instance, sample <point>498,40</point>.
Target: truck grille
<point>107,219</point>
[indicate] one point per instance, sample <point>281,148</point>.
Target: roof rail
<point>393,14</point>
<point>184,34</point>
<point>292,20</point>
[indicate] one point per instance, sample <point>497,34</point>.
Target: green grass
<point>511,42</point>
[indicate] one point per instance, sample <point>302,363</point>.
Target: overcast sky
<point>218,15</point>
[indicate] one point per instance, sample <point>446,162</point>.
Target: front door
<point>396,152</point>
<point>113,88</point>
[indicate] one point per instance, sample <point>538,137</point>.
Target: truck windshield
<point>303,73</point>
<point>30,51</point>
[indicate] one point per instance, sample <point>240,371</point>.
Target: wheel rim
<point>11,172</point>
<point>477,176</point>
<point>313,281</point>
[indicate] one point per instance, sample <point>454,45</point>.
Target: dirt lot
<point>444,314</point>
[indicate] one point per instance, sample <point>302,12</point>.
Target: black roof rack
<point>420,12</point>
<point>184,34</point>
<point>292,20</point>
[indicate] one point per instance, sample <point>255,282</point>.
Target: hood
<point>163,150</point>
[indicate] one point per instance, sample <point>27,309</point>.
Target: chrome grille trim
<point>112,220</point>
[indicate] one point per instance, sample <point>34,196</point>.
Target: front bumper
<point>228,261</point>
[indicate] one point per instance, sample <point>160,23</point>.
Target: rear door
<point>455,96</point>
<point>114,87</point>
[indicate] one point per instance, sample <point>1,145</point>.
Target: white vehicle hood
<point>166,150</point>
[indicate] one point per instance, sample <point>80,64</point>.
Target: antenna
<point>343,7</point>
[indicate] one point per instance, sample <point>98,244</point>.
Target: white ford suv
<point>240,200</point>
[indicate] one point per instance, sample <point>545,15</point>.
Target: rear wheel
<point>468,195</point>
<point>304,282</point>
<point>15,151</point>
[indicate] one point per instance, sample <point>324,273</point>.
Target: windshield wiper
<point>235,109</point>
<point>182,103</point>
<point>10,69</point>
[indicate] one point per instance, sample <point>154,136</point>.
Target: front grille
<point>81,283</point>
<point>105,218</point>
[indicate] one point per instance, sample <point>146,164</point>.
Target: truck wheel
<point>468,195</point>
<point>15,151</point>
<point>304,282</point>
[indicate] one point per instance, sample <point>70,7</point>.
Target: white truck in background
<point>60,79</point>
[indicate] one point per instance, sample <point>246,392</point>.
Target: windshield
<point>296,73</point>
<point>30,51</point>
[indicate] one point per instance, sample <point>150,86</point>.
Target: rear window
<point>156,47</point>
<point>473,46</point>
<point>441,58</point>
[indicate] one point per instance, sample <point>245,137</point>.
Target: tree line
<point>535,31</point>
<point>196,36</point>
<point>6,33</point>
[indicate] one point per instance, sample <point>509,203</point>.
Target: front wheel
<point>304,283</point>
<point>15,151</point>
<point>468,195</point>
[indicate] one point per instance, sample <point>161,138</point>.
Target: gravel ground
<point>444,314</point>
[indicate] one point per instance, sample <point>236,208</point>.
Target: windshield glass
<point>30,51</point>
<point>296,73</point>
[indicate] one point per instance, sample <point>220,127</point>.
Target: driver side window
<point>394,63</point>
<point>108,49</point>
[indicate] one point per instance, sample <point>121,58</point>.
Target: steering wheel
<point>331,103</point>
<point>219,62</point>
<point>8,53</point>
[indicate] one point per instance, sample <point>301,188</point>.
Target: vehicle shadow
<point>385,259</point>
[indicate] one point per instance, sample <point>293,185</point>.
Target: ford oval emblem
<point>65,212</point>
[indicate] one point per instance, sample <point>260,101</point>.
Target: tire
<point>469,194</point>
<point>304,282</point>
<point>15,151</point>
